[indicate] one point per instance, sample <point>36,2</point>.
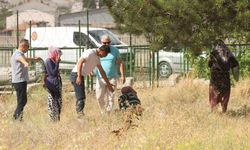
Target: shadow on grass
<point>242,111</point>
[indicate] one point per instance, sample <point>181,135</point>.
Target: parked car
<point>174,62</point>
<point>169,63</point>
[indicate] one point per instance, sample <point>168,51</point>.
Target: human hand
<point>110,87</point>
<point>58,58</point>
<point>122,79</point>
<point>26,65</point>
<point>36,59</point>
<point>91,74</point>
<point>78,80</point>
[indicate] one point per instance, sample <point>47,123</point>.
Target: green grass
<point>174,118</point>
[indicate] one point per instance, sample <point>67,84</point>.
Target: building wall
<point>97,18</point>
<point>30,15</point>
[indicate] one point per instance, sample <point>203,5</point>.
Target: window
<point>80,39</point>
<point>97,34</point>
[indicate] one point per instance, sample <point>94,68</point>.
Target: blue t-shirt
<point>109,64</point>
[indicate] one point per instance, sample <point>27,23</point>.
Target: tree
<point>190,23</point>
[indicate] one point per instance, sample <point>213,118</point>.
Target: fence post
<point>130,55</point>
<point>91,78</point>
<point>88,28</point>
<point>30,34</point>
<point>157,68</point>
<point>17,29</point>
<point>130,40</point>
<point>30,38</point>
<point>149,72</point>
<point>130,61</point>
<point>79,50</point>
<point>153,69</point>
<point>183,60</point>
<point>187,61</point>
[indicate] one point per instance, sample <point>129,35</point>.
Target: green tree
<point>191,23</point>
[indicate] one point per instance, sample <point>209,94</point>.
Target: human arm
<point>121,67</point>
<point>23,61</point>
<point>36,59</point>
<point>234,65</point>
<point>105,78</point>
<point>52,68</point>
<point>210,61</point>
<point>233,62</point>
<point>79,71</point>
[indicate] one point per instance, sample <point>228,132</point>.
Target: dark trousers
<point>79,92</point>
<point>55,90</point>
<point>21,93</point>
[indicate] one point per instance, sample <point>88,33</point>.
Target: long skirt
<point>216,97</point>
<point>54,103</point>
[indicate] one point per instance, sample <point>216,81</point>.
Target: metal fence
<point>141,62</point>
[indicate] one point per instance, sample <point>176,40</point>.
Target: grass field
<point>176,117</point>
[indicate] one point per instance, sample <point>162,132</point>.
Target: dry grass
<point>174,118</point>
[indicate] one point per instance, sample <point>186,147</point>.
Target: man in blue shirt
<point>111,64</point>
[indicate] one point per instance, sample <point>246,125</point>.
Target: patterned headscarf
<point>223,51</point>
<point>128,89</point>
<point>53,52</point>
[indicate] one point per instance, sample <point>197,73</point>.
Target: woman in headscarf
<point>220,62</point>
<point>53,83</point>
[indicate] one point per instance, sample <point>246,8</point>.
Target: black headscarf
<point>220,57</point>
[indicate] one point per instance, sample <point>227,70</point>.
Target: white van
<point>68,39</point>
